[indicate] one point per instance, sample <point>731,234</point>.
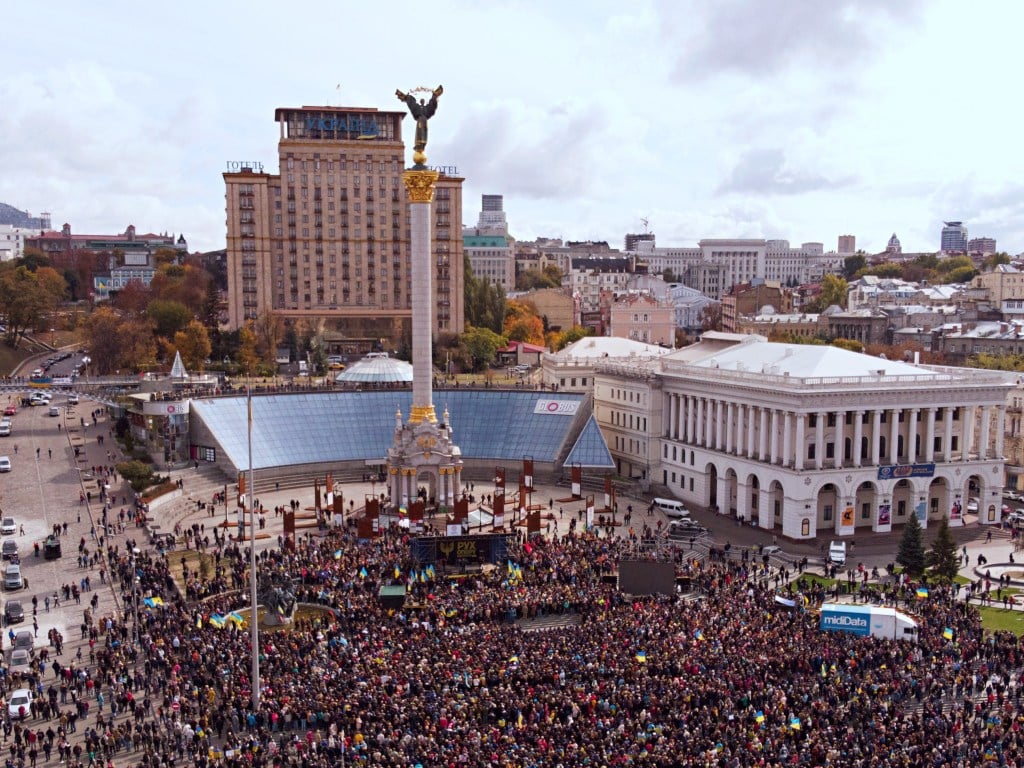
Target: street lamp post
<point>135,592</point>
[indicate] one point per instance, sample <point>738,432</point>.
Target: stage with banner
<point>460,550</point>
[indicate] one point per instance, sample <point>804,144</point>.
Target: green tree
<point>27,296</point>
<point>532,279</point>
<point>711,317</point>
<point>1010,361</point>
<point>943,558</point>
<point>193,342</point>
<point>854,264</point>
<point>993,261</point>
<point>911,550</point>
<point>168,317</point>
<point>851,344</point>
<point>484,301</point>
<point>482,344</point>
<point>247,358</point>
<point>833,291</point>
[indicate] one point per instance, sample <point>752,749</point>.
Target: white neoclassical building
<point>815,441</point>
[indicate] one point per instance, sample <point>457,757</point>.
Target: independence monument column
<point>424,452</point>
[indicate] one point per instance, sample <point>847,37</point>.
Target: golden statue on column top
<point>421,112</point>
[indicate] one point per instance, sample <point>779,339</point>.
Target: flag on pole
<point>641,657</point>
<point>794,723</point>
<point>759,716</point>
<point>363,573</point>
<point>217,621</point>
<point>948,633</point>
<point>922,593</point>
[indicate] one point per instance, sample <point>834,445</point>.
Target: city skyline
<point>801,121</point>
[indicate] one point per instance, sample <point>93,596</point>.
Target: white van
<point>837,553</point>
<point>672,508</point>
<point>55,410</point>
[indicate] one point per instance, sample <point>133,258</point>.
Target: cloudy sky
<point>795,119</point>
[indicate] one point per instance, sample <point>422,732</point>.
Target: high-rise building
<point>492,216</point>
<point>954,237</point>
<point>983,245</point>
<point>327,237</point>
<point>632,241</point>
<point>847,244</point>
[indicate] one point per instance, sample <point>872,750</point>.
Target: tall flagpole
<point>253,618</point>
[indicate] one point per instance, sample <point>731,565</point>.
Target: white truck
<point>864,620</point>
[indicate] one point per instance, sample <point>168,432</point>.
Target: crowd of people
<point>452,678</point>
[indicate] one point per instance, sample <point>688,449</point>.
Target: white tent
<point>178,369</point>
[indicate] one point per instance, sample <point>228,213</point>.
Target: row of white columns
<point>404,485</point>
<point>755,432</point>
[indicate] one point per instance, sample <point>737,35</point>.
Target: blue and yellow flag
<point>363,573</point>
<point>641,657</point>
<point>759,716</point>
<point>948,633</point>
<point>794,723</point>
<point>922,593</point>
<point>216,620</point>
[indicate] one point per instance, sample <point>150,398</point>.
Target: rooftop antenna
<point>337,95</point>
<point>645,221</point>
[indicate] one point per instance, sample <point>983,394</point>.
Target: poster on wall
<point>921,510</point>
<point>884,524</point>
<point>847,521</point>
<point>956,514</point>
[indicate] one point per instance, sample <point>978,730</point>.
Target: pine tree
<point>911,551</point>
<point>943,558</point>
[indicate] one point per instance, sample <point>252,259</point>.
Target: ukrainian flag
<point>759,716</point>
<point>948,633</point>
<point>218,621</point>
<point>337,554</point>
<point>641,657</point>
<point>236,617</point>
<point>398,571</point>
<point>699,635</point>
<point>430,571</point>
<point>363,573</point>
<point>794,723</point>
<point>922,593</point>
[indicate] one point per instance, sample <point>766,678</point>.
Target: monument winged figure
<point>421,111</point>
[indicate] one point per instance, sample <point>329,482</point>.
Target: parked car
<point>20,704</point>
<point>51,548</point>
<point>685,528</point>
<point>837,553</point>
<point>12,577</point>
<point>14,612</point>
<point>5,463</point>
<point>25,639</point>
<point>21,660</point>
<point>771,549</point>
<point>8,527</point>
<point>9,549</point>
<point>10,410</point>
<point>5,428</point>
<point>73,398</point>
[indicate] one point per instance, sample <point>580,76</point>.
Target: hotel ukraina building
<point>327,238</point>
<point>806,441</point>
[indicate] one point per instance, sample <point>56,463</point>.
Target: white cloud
<point>784,118</point>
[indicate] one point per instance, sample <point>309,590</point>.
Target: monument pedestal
<point>424,454</point>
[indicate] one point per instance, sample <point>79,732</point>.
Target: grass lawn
<point>9,358</point>
<point>814,578</point>
<point>993,619</point>
<point>192,559</point>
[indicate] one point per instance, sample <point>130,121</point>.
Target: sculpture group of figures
<point>278,600</point>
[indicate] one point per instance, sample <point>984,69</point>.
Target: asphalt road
<point>43,491</point>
